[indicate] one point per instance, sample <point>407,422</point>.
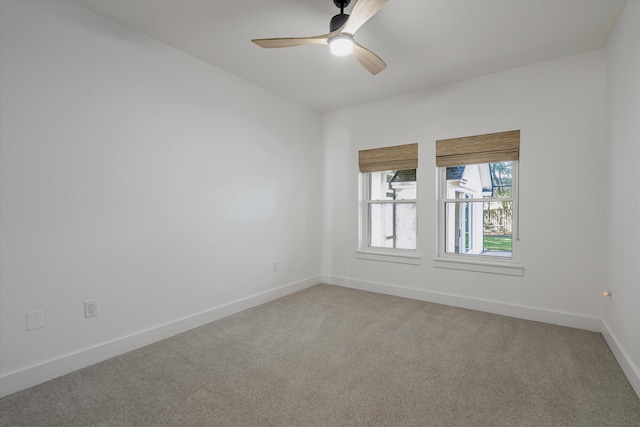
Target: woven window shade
<point>399,157</point>
<point>489,148</point>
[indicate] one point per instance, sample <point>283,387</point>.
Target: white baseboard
<point>37,374</point>
<point>511,310</point>
<point>27,377</point>
<point>521,312</point>
<point>628,367</point>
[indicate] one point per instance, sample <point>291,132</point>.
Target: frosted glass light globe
<point>341,45</point>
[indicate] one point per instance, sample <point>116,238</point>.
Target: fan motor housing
<point>338,21</point>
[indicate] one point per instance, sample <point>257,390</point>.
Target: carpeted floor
<point>331,356</point>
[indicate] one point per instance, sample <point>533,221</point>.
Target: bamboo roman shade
<point>489,148</point>
<point>399,157</point>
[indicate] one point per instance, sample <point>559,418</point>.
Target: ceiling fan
<point>340,36</point>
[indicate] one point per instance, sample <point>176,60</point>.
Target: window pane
<point>392,225</point>
<point>381,225</point>
<point>393,185</point>
<point>405,225</point>
<point>480,181</point>
<point>479,228</point>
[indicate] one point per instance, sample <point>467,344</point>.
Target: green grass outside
<point>497,243</point>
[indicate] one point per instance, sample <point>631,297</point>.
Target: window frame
<point>476,262</point>
<point>376,253</point>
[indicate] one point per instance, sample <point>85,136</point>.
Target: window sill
<point>509,269</point>
<point>400,258</point>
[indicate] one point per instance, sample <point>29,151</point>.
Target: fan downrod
<point>339,20</point>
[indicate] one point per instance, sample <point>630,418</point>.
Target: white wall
<point>163,187</point>
<point>622,312</point>
<point>144,178</point>
<point>559,106</point>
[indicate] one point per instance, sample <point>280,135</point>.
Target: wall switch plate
<point>35,320</point>
<point>91,308</point>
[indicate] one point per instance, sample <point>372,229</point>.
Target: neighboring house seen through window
<point>388,204</point>
<point>478,209</point>
<point>478,203</point>
<point>391,209</point>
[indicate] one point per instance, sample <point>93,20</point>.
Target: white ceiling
<point>425,43</point>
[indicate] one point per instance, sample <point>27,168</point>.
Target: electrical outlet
<point>35,320</point>
<point>91,308</point>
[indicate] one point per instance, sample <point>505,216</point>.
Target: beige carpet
<point>330,356</point>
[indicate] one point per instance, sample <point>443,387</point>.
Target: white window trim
<point>478,263</point>
<point>480,266</point>
<point>387,256</point>
<point>372,253</point>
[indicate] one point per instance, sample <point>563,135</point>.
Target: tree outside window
<point>478,204</point>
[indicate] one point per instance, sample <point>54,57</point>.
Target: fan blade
<point>362,11</point>
<point>368,59</point>
<point>292,41</point>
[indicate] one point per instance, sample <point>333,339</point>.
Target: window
<point>388,204</point>
<point>478,209</point>
<point>391,209</point>
<point>478,203</point>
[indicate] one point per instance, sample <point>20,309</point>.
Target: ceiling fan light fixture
<point>341,45</point>
<point>340,36</point>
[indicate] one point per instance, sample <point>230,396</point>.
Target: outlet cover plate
<point>91,308</point>
<point>35,320</point>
